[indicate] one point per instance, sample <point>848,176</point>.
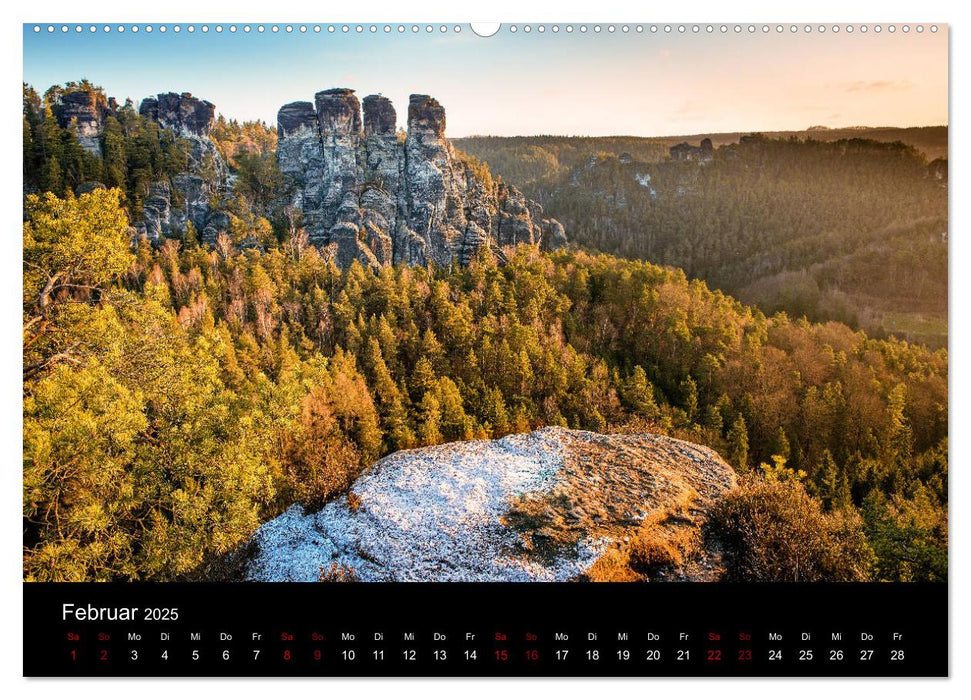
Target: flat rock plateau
<point>542,506</point>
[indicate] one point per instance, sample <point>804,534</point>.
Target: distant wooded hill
<point>518,156</point>
<point>930,140</point>
<point>812,223</point>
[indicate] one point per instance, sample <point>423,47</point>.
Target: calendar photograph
<point>548,303</point>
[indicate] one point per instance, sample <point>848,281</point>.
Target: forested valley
<point>853,230</point>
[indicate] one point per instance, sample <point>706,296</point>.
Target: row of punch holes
<point>486,30</point>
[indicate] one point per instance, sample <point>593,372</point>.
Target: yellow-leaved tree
<point>73,249</point>
<point>139,460</point>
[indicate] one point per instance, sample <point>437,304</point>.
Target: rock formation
<point>685,151</point>
<point>184,114</point>
<point>190,119</point>
<point>88,109</point>
<point>364,191</point>
<point>379,200</point>
<point>543,506</point>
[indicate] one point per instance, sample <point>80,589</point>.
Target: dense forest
<point>852,230</point>
<point>176,397</point>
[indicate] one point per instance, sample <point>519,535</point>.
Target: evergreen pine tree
<point>738,444</point>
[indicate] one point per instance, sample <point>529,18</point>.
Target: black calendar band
<point>359,629</point>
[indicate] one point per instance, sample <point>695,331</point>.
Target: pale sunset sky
<point>598,84</point>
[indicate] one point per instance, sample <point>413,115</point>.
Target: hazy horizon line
<point>699,133</point>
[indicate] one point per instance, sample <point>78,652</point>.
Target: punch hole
<point>485,29</point>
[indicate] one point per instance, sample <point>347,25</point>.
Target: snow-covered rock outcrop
<point>541,506</point>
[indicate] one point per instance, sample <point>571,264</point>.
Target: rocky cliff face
<point>552,505</point>
<point>162,218</point>
<point>190,195</point>
<point>379,200</point>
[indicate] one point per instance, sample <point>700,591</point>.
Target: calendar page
<point>543,349</point>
